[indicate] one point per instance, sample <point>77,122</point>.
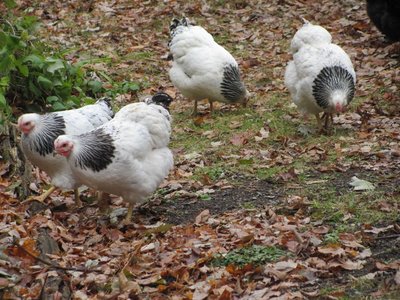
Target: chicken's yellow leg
<point>195,108</point>
<point>129,213</point>
<point>103,201</point>
<point>319,124</point>
<point>328,119</point>
<point>77,198</point>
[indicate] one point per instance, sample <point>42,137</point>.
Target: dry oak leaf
<point>332,250</point>
<point>240,139</point>
<point>203,216</point>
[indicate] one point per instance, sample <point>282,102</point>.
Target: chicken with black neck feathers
<point>202,69</point>
<point>128,156</point>
<point>321,77</point>
<point>40,131</point>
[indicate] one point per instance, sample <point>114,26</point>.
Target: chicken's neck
<point>94,150</point>
<point>46,131</point>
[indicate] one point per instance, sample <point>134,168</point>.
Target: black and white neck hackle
<point>107,101</point>
<point>232,87</point>
<point>177,26</point>
<point>42,140</point>
<point>96,150</point>
<point>331,79</point>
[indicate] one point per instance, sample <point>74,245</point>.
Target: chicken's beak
<point>340,108</point>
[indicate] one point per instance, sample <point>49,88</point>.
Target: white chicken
<point>202,69</point>
<point>40,131</point>
<point>321,77</point>
<point>128,156</point>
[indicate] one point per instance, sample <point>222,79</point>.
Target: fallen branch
<point>51,264</point>
<point>395,248</point>
<point>42,291</point>
<point>392,236</point>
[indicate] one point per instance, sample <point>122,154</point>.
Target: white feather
<point>198,64</point>
<point>310,34</point>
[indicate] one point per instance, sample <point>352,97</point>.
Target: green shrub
<point>32,77</point>
<point>36,78</point>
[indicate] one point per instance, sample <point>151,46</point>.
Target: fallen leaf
<point>202,289</point>
<point>365,253</point>
<point>240,139</point>
<point>353,265</point>
<point>333,250</point>
<point>252,62</point>
<point>199,121</point>
<point>376,230</point>
<point>361,185</point>
<point>80,295</point>
<point>148,247</point>
<point>369,276</point>
<point>285,266</point>
<point>289,175</point>
<point>203,216</point>
<point>397,277</point>
<point>262,134</point>
<point>216,144</point>
<point>4,283</point>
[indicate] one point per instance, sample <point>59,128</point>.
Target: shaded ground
<point>253,194</point>
<point>183,210</point>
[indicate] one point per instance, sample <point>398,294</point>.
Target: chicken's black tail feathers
<point>160,98</point>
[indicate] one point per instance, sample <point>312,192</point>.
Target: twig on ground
<point>298,236</point>
<point>42,291</point>
<point>395,248</point>
<point>392,236</point>
<point>51,264</point>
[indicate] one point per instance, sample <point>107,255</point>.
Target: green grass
<point>224,125</point>
<point>254,255</point>
<point>222,38</point>
<point>360,288</point>
<point>348,207</point>
<point>213,173</point>
<point>248,205</point>
<point>268,173</point>
<point>140,55</point>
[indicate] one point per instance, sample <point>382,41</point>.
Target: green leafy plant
<point>31,75</point>
<point>124,87</point>
<point>254,255</point>
<point>36,78</point>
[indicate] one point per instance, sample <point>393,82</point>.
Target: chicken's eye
<point>27,123</point>
<point>64,145</point>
